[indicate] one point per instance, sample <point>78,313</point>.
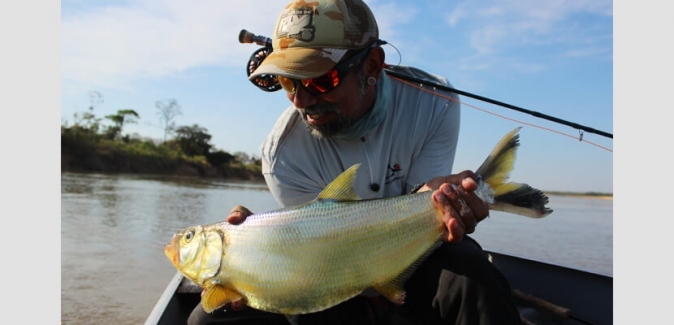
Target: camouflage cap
<point>312,36</point>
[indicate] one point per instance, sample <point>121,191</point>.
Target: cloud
<point>456,15</point>
<point>113,45</point>
<point>496,26</point>
<point>391,17</point>
<point>116,45</point>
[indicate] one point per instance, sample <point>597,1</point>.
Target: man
<point>345,110</point>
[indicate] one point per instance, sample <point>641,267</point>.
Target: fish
<point>310,257</point>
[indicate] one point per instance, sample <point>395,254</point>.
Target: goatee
<point>326,130</point>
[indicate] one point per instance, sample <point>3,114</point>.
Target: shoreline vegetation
<point>189,154</point>
<point>86,149</point>
<point>136,156</point>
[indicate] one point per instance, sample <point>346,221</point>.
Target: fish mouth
<point>172,254</point>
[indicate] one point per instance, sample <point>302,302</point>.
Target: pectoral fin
<point>218,296</point>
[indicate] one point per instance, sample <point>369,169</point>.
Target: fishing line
<point>391,70</point>
<point>270,83</point>
<point>498,115</point>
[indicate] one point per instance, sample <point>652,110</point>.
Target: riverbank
<point>176,167</point>
<point>80,153</point>
<point>582,195</point>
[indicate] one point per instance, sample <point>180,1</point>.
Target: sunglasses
<point>327,82</point>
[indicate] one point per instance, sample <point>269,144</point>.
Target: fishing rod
<point>271,83</point>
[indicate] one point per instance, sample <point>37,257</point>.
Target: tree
<point>193,140</point>
<point>86,124</point>
<point>88,121</point>
<point>168,109</point>
<point>123,116</point>
<point>91,122</point>
<point>219,158</point>
<point>242,157</point>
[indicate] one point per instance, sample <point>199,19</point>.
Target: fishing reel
<point>266,82</point>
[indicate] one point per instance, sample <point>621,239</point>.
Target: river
<point>114,227</point>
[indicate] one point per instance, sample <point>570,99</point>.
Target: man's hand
<point>461,208</point>
<point>238,214</point>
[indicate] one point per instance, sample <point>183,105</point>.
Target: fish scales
<point>315,257</point>
<point>311,257</point>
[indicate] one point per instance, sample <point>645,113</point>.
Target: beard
<point>330,129</point>
<point>337,127</point>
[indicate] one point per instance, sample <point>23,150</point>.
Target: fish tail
<point>510,197</point>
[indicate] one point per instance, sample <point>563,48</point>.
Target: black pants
<point>456,284</point>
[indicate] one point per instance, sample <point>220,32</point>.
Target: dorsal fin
<point>341,188</point>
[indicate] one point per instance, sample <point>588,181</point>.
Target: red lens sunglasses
<point>327,82</point>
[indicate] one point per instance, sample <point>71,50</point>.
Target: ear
<point>375,62</point>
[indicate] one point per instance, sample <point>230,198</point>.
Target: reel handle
<point>248,37</point>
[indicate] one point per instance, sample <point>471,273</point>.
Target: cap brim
<point>299,63</point>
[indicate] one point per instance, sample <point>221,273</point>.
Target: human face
<point>331,113</point>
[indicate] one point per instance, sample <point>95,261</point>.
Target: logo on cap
<point>297,24</point>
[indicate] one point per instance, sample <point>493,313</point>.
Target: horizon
<point>551,58</point>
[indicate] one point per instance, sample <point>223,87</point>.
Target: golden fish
<point>310,257</point>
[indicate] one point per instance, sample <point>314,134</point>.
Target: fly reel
<point>266,82</point>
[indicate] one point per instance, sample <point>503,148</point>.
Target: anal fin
<point>393,291</point>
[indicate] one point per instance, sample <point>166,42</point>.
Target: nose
<point>302,98</point>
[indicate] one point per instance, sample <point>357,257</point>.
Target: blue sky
<point>553,57</point>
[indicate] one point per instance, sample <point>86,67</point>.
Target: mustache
<point>318,109</point>
<point>326,130</point>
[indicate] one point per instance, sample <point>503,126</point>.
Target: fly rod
<point>270,82</point>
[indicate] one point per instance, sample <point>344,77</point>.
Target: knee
<point>198,316</point>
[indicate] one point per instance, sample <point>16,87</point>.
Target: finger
<point>465,213</point>
<point>469,184</point>
<point>455,231</point>
<point>238,214</point>
<point>454,227</point>
<point>436,182</point>
<point>479,208</point>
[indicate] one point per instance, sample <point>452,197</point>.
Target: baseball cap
<point>312,36</point>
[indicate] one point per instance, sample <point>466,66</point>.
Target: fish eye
<point>189,235</point>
